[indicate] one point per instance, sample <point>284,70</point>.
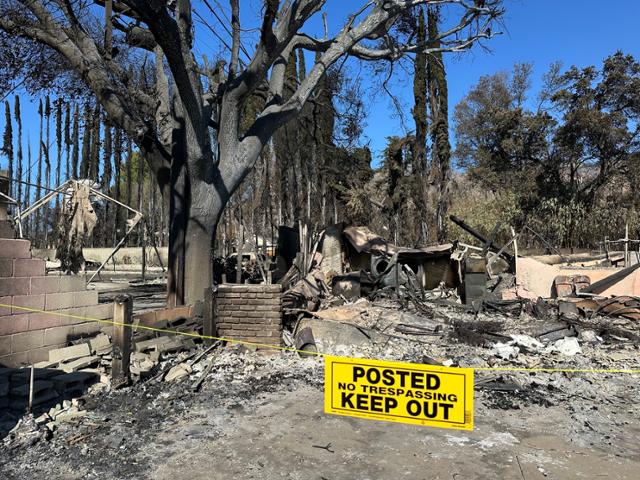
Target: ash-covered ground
<point>260,415</point>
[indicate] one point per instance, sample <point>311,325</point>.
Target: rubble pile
<point>91,432</point>
<point>202,386</point>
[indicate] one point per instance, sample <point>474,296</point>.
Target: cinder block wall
<point>249,312</point>
<point>26,337</point>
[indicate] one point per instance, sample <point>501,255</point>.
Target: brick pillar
<point>251,313</point>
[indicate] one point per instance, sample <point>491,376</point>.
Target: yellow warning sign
<point>399,392</point>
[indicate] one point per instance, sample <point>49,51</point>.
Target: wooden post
<point>209,326</point>
<point>122,312</point>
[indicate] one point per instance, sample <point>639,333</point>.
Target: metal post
<point>31,388</point>
<point>626,245</point>
<point>122,312</point>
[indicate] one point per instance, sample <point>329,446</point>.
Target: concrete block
<point>75,365</point>
<point>40,321</point>
<point>6,267</point>
<point>69,353</point>
<point>5,346</point>
<point>39,386</point>
<point>85,299</point>
<point>102,311</point>
<point>59,301</point>
<point>76,381</point>
<point>28,267</point>
<point>15,359</point>
<point>38,354</point>
<point>46,284</point>
<point>22,375</point>
<point>14,248</point>
<point>71,316</point>
<point>100,344</point>
<point>45,363</point>
<point>4,388</point>
<point>73,283</point>
<point>56,335</point>
<point>5,310</point>
<point>35,302</point>
<point>152,344</point>
<point>22,342</point>
<point>14,286</point>
<point>14,324</point>
<point>45,397</point>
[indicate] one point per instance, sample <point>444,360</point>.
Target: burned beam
<point>493,246</point>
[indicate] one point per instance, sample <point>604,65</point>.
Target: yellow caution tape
<point>291,349</point>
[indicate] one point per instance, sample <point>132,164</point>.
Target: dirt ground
<point>260,417</point>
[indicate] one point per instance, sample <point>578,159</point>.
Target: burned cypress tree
<point>58,142</point>
<point>68,140</point>
<point>87,128</point>
<point>394,165</point>
<point>58,105</point>
<point>439,107</point>
<point>47,146</point>
<point>94,162</point>
<point>7,143</point>
<point>18,116</point>
<point>419,112</point>
<point>28,186</point>
<point>76,142</point>
<point>47,174</point>
<point>41,148</point>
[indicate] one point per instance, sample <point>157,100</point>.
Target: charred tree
<point>174,132</point>
<point>439,108</point>
<point>7,143</point>
<point>419,112</point>
<point>19,160</point>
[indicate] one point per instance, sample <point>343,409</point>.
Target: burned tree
<point>172,122</point>
<point>439,130</point>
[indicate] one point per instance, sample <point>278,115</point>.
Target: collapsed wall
<point>26,337</point>
<point>252,313</point>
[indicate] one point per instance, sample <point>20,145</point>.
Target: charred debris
<point>347,291</point>
<point>352,266</point>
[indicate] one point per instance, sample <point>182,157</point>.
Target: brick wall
<point>249,312</point>
<point>26,337</point>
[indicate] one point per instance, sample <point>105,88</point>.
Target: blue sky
<point>575,32</point>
